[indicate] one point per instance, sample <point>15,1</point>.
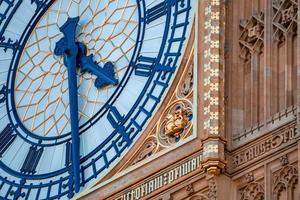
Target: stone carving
<point>285,179</point>
<point>252,33</point>
<point>212,189</point>
<point>253,191</point>
<point>190,189</point>
<point>249,177</point>
<point>174,122</point>
<point>187,86</point>
<point>199,197</point>
<point>276,140</point>
<point>284,19</point>
<point>284,160</point>
<point>147,150</point>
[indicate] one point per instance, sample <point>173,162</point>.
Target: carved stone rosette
<point>175,122</point>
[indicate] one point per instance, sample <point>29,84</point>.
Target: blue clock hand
<point>68,48</point>
<point>105,75</point>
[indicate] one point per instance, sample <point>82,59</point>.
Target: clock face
<point>117,57</point>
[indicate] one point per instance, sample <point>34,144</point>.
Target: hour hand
<point>105,75</point>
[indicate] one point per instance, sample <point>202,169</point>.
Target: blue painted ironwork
<point>9,44</point>
<point>146,65</point>
<point>68,160</point>
<point>18,193</point>
<point>3,94</point>
<point>7,137</point>
<point>169,54</point>
<point>8,4</point>
<point>159,10</point>
<point>115,119</point>
<point>105,75</point>
<point>32,159</point>
<point>39,3</point>
<point>69,49</point>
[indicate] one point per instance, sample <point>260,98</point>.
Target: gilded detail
<point>176,122</point>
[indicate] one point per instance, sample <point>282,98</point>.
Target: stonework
<point>228,128</point>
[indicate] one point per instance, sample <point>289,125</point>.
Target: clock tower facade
<point>239,79</point>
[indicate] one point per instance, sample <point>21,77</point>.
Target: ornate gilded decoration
<point>175,122</point>
<point>252,33</point>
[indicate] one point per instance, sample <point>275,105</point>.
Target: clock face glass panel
<point>109,31</point>
<point>144,41</point>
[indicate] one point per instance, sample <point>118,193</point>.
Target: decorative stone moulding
<point>253,191</point>
<point>252,35</point>
<point>186,88</point>
<point>285,179</point>
<point>284,19</point>
<point>148,149</point>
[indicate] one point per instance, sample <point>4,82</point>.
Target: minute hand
<point>68,48</point>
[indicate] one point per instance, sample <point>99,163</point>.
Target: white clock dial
<point>109,31</point>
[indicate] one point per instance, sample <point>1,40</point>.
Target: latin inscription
<point>264,147</point>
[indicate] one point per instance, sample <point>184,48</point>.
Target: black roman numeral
<point>6,138</point>
<point>68,154</point>
<point>32,159</point>
<point>158,11</point>
<point>3,94</point>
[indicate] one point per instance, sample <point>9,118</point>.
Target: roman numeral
<point>68,154</point>
<point>6,138</point>
<point>32,159</point>
<point>3,94</point>
<point>147,64</point>
<point>115,119</point>
<point>158,11</point>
